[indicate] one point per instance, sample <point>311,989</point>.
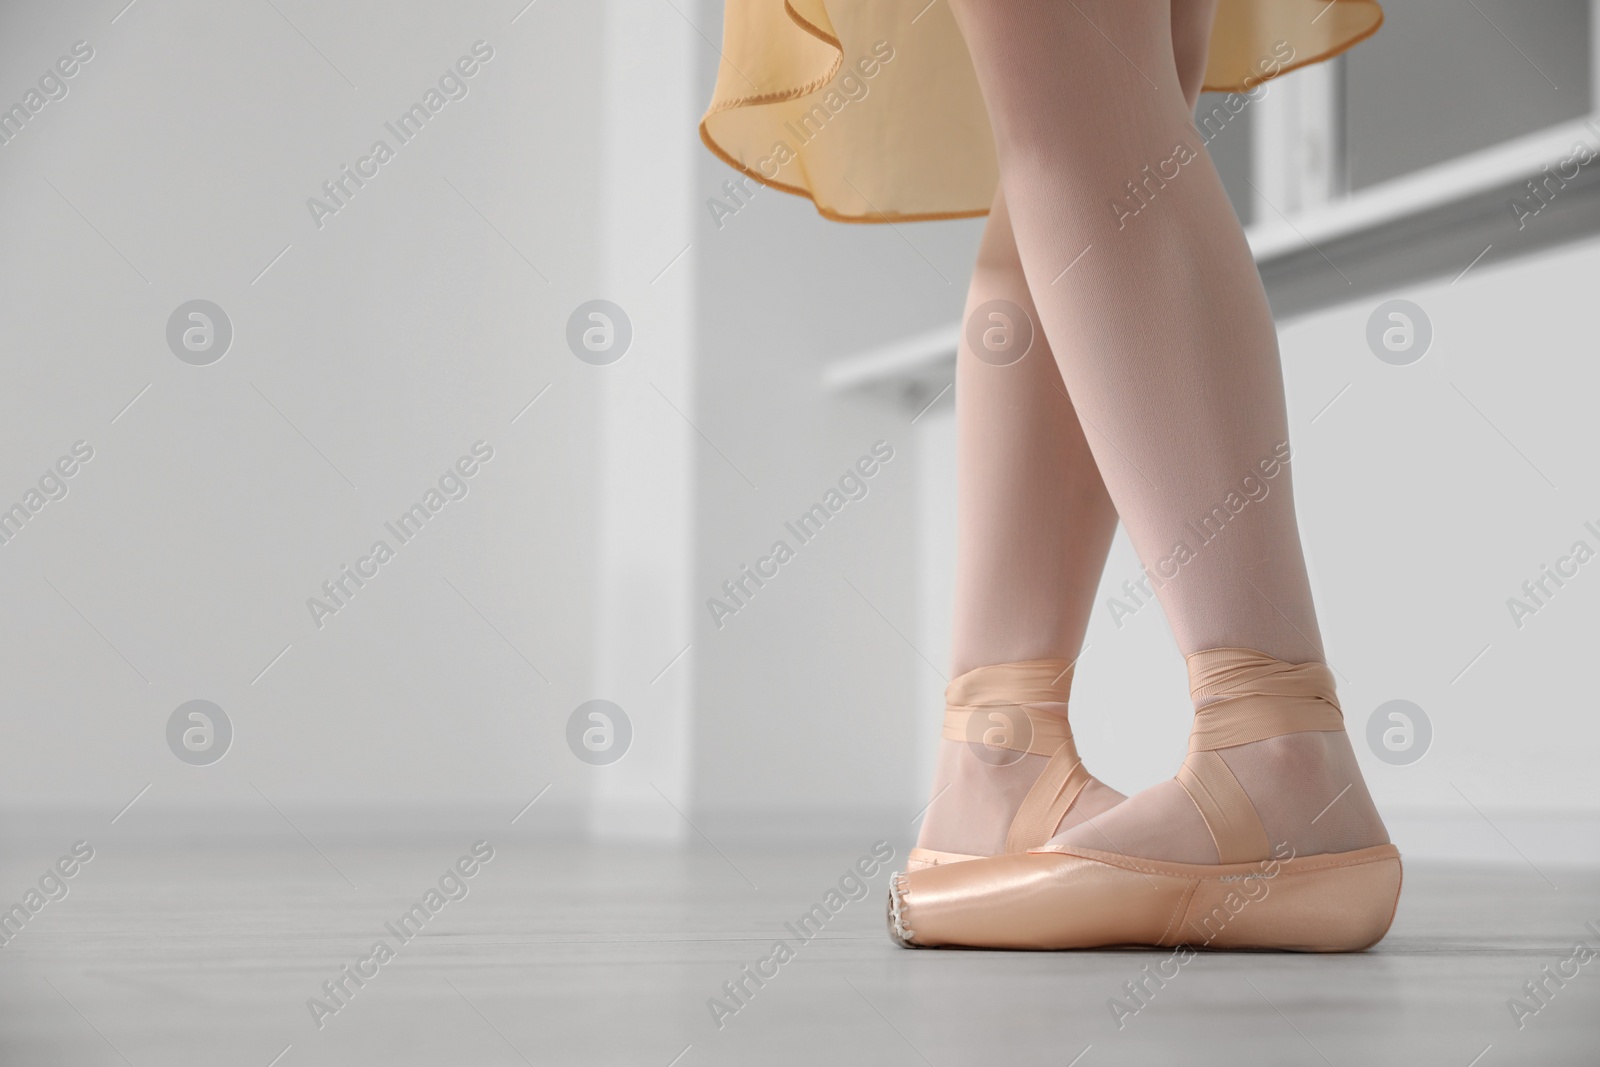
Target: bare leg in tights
<point>1165,344</point>
<point>1035,521</point>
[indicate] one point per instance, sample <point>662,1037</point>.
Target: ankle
<point>1008,774</point>
<point>1308,790</point>
<point>975,798</point>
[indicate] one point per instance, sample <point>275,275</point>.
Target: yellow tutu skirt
<point>813,97</point>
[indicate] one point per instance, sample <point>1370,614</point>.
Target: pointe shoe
<point>989,708</point>
<point>1256,897</point>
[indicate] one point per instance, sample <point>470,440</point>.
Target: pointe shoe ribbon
<point>1253,697</point>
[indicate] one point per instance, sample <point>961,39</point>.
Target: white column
<point>646,495</point>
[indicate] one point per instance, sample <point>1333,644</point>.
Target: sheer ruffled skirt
<point>871,109</point>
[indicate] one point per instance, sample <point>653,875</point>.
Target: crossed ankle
<point>976,800</point>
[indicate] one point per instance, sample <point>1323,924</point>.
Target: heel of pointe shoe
<point>1344,902</point>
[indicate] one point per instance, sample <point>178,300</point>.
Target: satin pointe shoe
<point>989,709</point>
<point>1257,896</point>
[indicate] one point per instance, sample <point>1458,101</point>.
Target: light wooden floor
<point>168,955</point>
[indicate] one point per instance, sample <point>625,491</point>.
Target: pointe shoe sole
<point>1074,898</point>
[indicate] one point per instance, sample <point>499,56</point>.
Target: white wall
<point>402,331</point>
